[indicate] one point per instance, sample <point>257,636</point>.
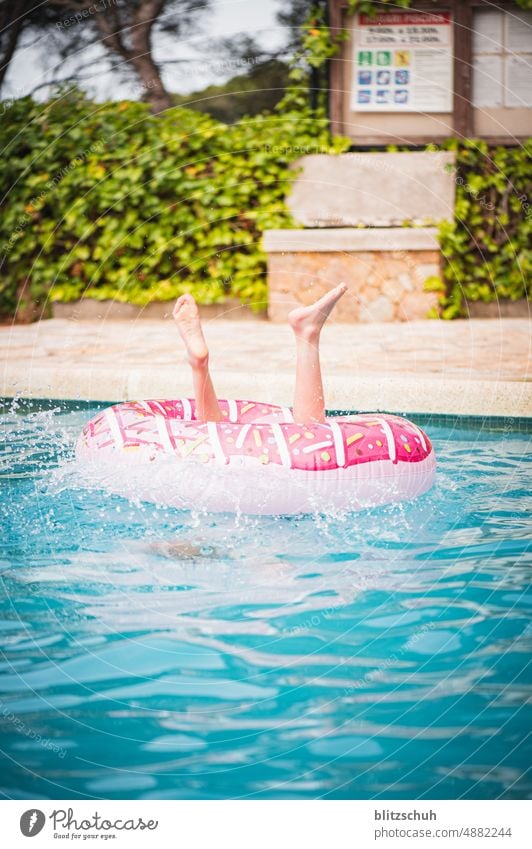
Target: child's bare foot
<point>188,322</point>
<point>308,321</point>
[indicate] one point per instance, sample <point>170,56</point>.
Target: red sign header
<point>405,19</point>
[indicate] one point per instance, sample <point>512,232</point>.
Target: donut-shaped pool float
<point>257,460</point>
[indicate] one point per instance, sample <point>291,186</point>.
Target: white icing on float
<point>257,460</point>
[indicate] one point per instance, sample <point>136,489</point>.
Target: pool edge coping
<point>493,423</point>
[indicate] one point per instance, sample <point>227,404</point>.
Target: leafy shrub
<point>487,247</point>
<point>107,201</point>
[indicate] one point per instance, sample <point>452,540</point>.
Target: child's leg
<point>188,321</point>
<point>306,323</point>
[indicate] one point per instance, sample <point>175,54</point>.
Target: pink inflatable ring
<point>258,460</point>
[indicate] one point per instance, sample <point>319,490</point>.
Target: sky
<point>34,64</point>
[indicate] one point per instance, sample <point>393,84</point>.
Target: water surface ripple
<point>152,653</point>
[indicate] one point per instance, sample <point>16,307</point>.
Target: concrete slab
<point>373,189</point>
<point>479,367</point>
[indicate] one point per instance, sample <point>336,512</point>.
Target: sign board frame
<point>460,121</point>
<point>403,62</point>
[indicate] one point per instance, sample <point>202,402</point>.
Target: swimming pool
<point>157,654</point>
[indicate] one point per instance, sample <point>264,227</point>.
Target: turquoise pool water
<point>151,653</point>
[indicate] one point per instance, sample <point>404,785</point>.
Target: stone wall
<point>371,220</point>
<point>384,270</point>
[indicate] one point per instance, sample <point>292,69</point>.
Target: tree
<point>126,30</point>
<point>292,16</point>
<point>124,27</point>
<point>258,89</point>
<point>13,17</point>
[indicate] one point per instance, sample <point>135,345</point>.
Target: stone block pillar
<point>370,220</point>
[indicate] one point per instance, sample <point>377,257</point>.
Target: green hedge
<point>107,201</point>
<point>487,248</point>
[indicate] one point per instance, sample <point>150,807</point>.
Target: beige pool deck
<point>477,367</point>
